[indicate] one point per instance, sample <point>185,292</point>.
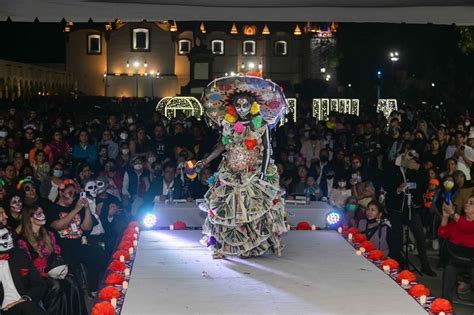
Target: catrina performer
<point>244,204</point>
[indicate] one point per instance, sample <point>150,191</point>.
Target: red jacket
<point>459,233</point>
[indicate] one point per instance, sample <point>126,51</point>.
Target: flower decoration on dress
<point>257,122</point>
<point>103,308</point>
<point>255,109</point>
<point>250,143</point>
<point>441,305</point>
<point>225,140</point>
<point>418,290</point>
<point>230,118</point>
<point>239,127</point>
<point>211,179</point>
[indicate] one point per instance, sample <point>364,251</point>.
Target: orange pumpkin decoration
<point>367,245</point>
<point>359,238</point>
<point>116,265</point>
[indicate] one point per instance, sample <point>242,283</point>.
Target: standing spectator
<point>84,150</point>
<point>310,148</point>
<point>160,143</point>
<point>41,166</point>
<point>464,155</point>
<point>434,155</point>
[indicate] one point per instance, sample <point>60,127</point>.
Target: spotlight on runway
<point>333,220</point>
<point>149,220</point>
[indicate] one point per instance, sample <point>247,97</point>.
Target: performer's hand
<point>200,165</point>
<point>12,304</point>
<point>402,188</point>
<point>448,209</point>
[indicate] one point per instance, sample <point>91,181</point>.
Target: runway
<point>319,273</point>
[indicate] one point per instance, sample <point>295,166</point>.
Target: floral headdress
<point>68,182</point>
<point>26,180</point>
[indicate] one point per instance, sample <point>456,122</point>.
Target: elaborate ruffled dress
<point>246,213</point>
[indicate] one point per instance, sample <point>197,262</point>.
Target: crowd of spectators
<point>88,177</point>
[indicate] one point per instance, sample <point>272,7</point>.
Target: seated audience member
<point>300,185</point>
<point>49,187</point>
<point>198,188</point>
<point>71,218</point>
<point>84,173</point>
<point>3,217</point>
<point>459,231</point>
<point>29,195</point>
<point>21,286</point>
<point>327,183</point>
<point>41,166</point>
<point>350,210</point>
<point>63,297</point>
<point>14,211</point>
<point>314,191</point>
<point>340,194</point>
<point>162,185</point>
<point>375,227</point>
<point>3,192</point>
<point>114,178</point>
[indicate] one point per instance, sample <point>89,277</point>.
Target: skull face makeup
<point>91,188</point>
<point>242,106</point>
<point>39,216</point>
<point>16,204</point>
<point>6,239</point>
<point>101,184</point>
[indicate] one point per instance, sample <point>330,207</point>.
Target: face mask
<point>101,187</point>
<point>138,167</point>
<point>123,136</point>
<point>58,173</point>
<point>125,151</point>
<point>291,158</point>
<point>351,207</point>
<point>342,184</point>
<point>130,120</point>
<point>151,159</point>
<point>91,189</point>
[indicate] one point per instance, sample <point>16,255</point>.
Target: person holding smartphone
<point>405,183</point>
<point>71,218</point>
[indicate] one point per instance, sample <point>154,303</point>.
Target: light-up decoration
<point>234,30</point>
<point>333,218</point>
<point>149,220</point>
<point>266,30</point>
<point>322,107</point>
<point>290,109</point>
<point>174,27</point>
<point>170,105</point>
<point>202,28</point>
<point>386,106</point>
<point>297,31</point>
<point>250,30</point>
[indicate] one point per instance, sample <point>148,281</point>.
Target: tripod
<point>407,264</point>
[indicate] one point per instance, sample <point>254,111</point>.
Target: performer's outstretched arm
<point>266,151</point>
<point>218,149</point>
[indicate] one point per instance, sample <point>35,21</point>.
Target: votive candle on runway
<point>339,230</point>
<point>135,235</point>
<point>386,269</point>
<point>405,283</point>
<point>349,236</point>
<point>358,252</point>
<point>313,227</point>
<point>125,285</point>
<point>113,301</point>
<point>122,258</point>
<point>137,229</point>
<point>135,243</point>
<point>171,227</point>
<point>423,300</point>
<point>126,272</point>
<point>362,249</point>
<point>130,250</point>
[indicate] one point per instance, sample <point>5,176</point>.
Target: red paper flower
<point>103,308</point>
<point>109,292</point>
<point>114,278</point>
<point>231,110</point>
<point>367,245</point>
<point>303,226</point>
<point>359,238</point>
<point>125,245</point>
<point>376,254</point>
<point>418,290</point>
<point>391,263</point>
<point>275,201</point>
<point>123,253</point>
<point>116,265</point>
<point>179,225</point>
<point>130,237</point>
<point>441,305</point>
<point>405,274</point>
<point>352,230</point>
<point>250,143</point>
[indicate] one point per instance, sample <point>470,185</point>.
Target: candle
<point>137,229</point>
<point>135,243</point>
<point>130,250</point>
<point>405,283</point>
<point>122,258</point>
<point>171,227</point>
<point>135,235</point>
<point>441,313</point>
<point>125,285</point>
<point>386,269</point>
<point>349,236</point>
<point>339,230</point>
<point>362,249</point>
<point>358,252</point>
<point>313,227</point>
<point>423,300</point>
<point>127,272</point>
<point>113,301</point>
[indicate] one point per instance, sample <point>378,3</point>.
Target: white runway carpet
<point>319,273</point>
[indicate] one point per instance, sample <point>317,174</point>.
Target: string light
<point>189,105</point>
<point>297,30</point>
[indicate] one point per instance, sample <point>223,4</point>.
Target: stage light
<point>149,220</point>
<point>333,219</point>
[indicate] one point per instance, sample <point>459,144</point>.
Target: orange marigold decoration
<point>405,274</point>
<point>103,308</point>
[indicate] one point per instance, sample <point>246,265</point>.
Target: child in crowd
<point>375,227</point>
<point>339,195</point>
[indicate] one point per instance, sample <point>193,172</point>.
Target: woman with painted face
<point>71,218</point>
<point>63,296</point>
<point>14,211</point>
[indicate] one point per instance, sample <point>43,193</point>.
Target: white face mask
<point>242,107</point>
<point>138,167</point>
<point>39,216</point>
<point>91,188</point>
<point>342,184</point>
<point>151,159</point>
<point>125,151</point>
<point>6,240</point>
<point>123,136</point>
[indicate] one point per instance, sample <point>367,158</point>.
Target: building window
<point>184,46</point>
<point>281,48</point>
<point>248,47</point>
<point>93,44</point>
<point>140,39</point>
<point>217,47</point>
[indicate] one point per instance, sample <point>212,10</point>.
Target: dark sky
<point>32,42</point>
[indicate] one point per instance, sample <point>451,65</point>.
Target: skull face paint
<point>16,204</point>
<point>91,188</point>
<point>6,240</point>
<point>242,106</point>
<point>101,185</point>
<point>39,216</point>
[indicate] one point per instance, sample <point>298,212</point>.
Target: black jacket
<point>26,278</point>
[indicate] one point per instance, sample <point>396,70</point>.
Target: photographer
<point>404,204</point>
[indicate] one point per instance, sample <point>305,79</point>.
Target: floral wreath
<point>26,180</point>
<point>68,182</point>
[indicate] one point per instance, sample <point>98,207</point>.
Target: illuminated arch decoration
<point>386,106</point>
<point>250,30</point>
<point>322,107</point>
<point>290,109</point>
<point>189,105</point>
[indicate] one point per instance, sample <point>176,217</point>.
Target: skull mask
<point>6,239</point>
<point>39,216</point>
<point>242,106</point>
<point>91,188</point>
<point>101,185</point>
